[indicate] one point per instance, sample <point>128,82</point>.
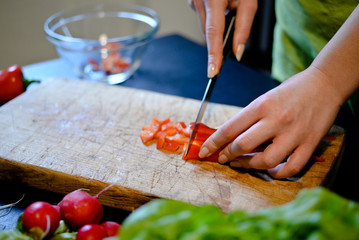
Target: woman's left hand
<point>293,117</point>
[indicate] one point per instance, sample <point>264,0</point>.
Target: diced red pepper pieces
<point>177,138</point>
<point>112,62</point>
<point>180,126</point>
<point>169,135</point>
<point>169,131</point>
<point>171,146</point>
<point>187,131</point>
<point>148,133</point>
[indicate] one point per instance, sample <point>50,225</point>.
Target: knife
<point>227,46</point>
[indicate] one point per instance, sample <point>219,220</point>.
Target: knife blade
<point>227,46</point>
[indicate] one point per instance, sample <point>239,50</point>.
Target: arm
<point>339,60</point>
<point>295,115</point>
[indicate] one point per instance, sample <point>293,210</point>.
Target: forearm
<point>339,59</point>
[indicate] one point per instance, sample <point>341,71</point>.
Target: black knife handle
<point>228,34</point>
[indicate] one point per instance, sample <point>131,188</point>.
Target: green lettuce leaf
<point>315,214</point>
<point>13,235</point>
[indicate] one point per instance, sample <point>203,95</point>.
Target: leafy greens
<point>315,214</point>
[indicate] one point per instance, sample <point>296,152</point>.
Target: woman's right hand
<point>212,18</point>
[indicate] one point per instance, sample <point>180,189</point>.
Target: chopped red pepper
<point>171,146</point>
<point>112,62</point>
<point>194,150</point>
<point>180,126</point>
<point>167,131</point>
<point>202,133</point>
<point>149,132</point>
<point>172,136</point>
<point>178,138</point>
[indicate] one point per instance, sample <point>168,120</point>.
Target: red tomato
<point>11,83</point>
<point>43,215</point>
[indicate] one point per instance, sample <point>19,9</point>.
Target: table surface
<point>175,65</point>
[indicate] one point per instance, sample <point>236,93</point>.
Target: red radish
<point>91,232</point>
<point>57,207</point>
<point>111,228</point>
<point>43,215</point>
<point>79,208</point>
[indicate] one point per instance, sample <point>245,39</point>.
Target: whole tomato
<point>11,83</point>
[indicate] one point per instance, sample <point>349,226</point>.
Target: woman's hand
<point>293,117</point>
<point>212,17</point>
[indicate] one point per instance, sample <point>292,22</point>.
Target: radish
<point>79,208</point>
<point>112,228</point>
<point>91,232</point>
<point>43,215</point>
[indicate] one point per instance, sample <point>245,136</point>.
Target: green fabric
<point>303,28</point>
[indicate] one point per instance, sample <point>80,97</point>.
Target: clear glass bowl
<point>103,42</point>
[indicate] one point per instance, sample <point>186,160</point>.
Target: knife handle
<point>228,34</point>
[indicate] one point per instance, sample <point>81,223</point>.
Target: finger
<point>229,130</point>
<point>246,142</point>
<point>215,21</point>
<point>192,3</point>
<point>246,11</point>
<point>232,4</point>
<point>274,154</point>
<point>198,6</point>
<point>296,162</point>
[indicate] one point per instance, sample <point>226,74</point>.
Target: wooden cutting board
<point>68,134</point>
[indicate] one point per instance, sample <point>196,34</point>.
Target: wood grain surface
<point>68,134</point>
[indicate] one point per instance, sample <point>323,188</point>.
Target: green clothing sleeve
<point>302,29</point>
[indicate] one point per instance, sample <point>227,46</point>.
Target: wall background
<point>23,41</point>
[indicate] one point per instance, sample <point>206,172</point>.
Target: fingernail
<point>236,164</point>
<point>203,152</point>
<point>240,51</point>
<point>222,158</point>
<point>211,70</point>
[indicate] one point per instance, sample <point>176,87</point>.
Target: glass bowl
<point>103,42</point>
